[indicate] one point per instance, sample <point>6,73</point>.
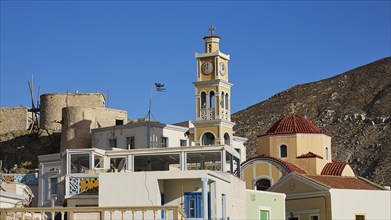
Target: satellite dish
<point>121,164</point>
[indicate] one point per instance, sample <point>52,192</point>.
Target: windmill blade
<point>31,94</point>
<point>39,96</point>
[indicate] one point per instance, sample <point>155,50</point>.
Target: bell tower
<point>213,124</point>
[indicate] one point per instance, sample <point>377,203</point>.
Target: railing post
<point>3,214</point>
<point>175,214</point>
<point>71,217</point>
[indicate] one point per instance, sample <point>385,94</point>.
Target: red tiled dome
<point>334,168</point>
<point>293,124</point>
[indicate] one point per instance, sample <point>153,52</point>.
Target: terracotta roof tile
<point>344,182</point>
<point>334,169</point>
<point>289,166</point>
<point>309,155</point>
<point>293,124</point>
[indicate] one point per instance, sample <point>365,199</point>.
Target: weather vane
<point>212,29</point>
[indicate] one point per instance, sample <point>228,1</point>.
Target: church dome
<point>293,124</point>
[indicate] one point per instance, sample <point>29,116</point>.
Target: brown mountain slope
<point>355,107</point>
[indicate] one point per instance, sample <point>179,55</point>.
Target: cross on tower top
<point>212,29</point>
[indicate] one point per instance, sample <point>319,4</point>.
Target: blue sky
<point>121,46</point>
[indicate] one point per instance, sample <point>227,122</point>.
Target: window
<point>263,184</point>
<point>212,99</point>
<point>208,139</point>
<point>204,161</point>
<point>226,101</point>
<point>314,217</point>
<point>112,142</point>
<point>264,215</point>
<point>98,161</point>
<point>118,163</point>
<point>203,100</point>
<point>183,143</point>
<point>79,163</point>
<point>360,217</point>
<point>164,141</point>
<point>227,140</point>
<point>53,186</point>
<point>119,122</point>
<point>130,142</point>
<point>327,153</point>
<point>283,151</point>
<point>158,162</point>
<point>222,100</point>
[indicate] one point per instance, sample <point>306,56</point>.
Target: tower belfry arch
<point>212,92</point>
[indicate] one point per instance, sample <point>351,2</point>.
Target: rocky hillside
<point>19,150</point>
<point>355,107</point>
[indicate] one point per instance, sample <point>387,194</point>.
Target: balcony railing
<point>224,114</point>
<point>82,184</point>
<point>28,179</point>
<point>208,114</point>
<point>94,213</point>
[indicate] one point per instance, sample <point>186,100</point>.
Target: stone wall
<point>52,105</point>
<point>78,122</point>
<point>14,119</point>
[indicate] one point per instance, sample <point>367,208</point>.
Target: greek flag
<point>160,87</point>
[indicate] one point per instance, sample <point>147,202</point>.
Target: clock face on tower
<point>207,68</point>
<point>221,68</point>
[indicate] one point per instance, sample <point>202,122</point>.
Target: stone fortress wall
<point>51,106</point>
<point>78,122</point>
<point>14,119</point>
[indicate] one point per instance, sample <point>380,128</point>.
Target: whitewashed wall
<point>46,164</point>
<point>101,136</point>
<point>374,204</point>
<point>145,188</point>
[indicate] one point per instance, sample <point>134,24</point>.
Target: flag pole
<point>149,118</point>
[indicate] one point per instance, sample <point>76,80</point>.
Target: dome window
<point>283,151</point>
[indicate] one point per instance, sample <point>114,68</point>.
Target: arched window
<point>227,140</point>
<point>327,153</point>
<point>222,100</point>
<point>226,101</point>
<point>208,139</point>
<point>203,100</point>
<point>263,184</point>
<point>212,99</point>
<point>283,151</point>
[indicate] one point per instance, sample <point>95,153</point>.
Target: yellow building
<point>292,144</point>
<point>295,159</point>
<point>316,197</point>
